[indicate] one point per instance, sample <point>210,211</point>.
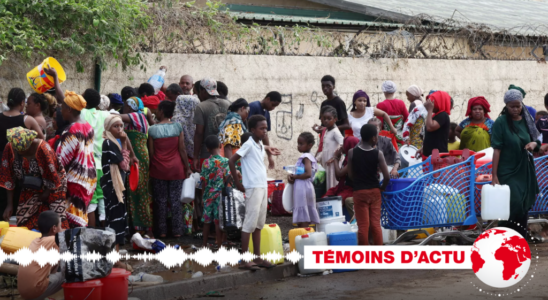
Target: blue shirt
<point>255,108</point>
<point>532,111</point>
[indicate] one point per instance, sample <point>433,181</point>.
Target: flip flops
<point>253,267</point>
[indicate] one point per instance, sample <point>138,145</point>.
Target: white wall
<point>298,79</point>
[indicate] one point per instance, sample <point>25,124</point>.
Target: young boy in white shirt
<point>255,188</point>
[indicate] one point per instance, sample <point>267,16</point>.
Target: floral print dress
<point>45,165</point>
<point>214,171</point>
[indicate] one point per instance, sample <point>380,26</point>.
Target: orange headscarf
<point>75,101</point>
<point>442,101</point>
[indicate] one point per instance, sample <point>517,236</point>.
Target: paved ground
<point>396,284</point>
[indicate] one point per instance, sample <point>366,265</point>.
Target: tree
<point>97,29</point>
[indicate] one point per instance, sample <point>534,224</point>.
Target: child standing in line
<point>214,174</point>
<point>33,281</point>
<point>255,188</point>
<point>454,143</point>
<point>304,196</point>
<point>115,163</point>
<point>331,140</point>
<point>363,162</point>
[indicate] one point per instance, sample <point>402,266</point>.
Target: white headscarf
<point>389,87</point>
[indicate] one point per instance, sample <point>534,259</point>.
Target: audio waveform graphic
<point>169,257</point>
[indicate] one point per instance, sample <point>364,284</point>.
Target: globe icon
<point>500,257</point>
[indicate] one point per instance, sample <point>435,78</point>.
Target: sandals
<point>253,267</point>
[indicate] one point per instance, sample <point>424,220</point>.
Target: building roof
<point>499,14</point>
<point>312,17</point>
<point>307,20</point>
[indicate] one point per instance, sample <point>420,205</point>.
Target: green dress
<point>516,166</point>
<point>140,200</point>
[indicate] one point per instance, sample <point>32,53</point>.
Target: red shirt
<point>394,107</point>
<point>166,164</point>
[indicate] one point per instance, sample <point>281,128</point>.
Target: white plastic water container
<point>157,80</point>
<point>329,207</point>
<point>324,222</point>
<point>287,197</point>
<point>495,202</point>
<point>337,227</point>
<point>311,239</point>
<point>188,192</point>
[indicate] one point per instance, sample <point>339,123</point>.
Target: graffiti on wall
<point>284,118</point>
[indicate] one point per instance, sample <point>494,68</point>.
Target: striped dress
<point>76,153</point>
<point>115,211</point>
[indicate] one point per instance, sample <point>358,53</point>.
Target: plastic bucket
<point>115,285</point>
<point>89,290</point>
<point>399,184</point>
<point>40,81</point>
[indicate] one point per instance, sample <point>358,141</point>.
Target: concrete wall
<point>298,79</point>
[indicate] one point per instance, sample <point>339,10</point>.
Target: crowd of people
<point>71,154</point>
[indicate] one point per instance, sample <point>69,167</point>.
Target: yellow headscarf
<point>75,101</point>
<point>20,138</point>
<point>115,175</point>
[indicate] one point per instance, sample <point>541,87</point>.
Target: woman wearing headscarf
<point>76,152</point>
<point>115,162</point>
<point>532,111</point>
<point>514,137</point>
<point>344,188</point>
<point>475,131</point>
<point>362,112</point>
<point>413,128</point>
<point>395,108</point>
<point>438,105</point>
<point>26,157</point>
<point>137,131</point>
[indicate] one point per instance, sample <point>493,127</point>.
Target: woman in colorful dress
<point>233,126</point>
<point>76,152</point>
<point>475,131</point>
<point>413,128</point>
<point>25,155</point>
<point>140,202</point>
<point>395,108</point>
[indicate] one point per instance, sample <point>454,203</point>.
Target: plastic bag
<point>82,241</point>
<point>232,209</point>
<point>151,245</point>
